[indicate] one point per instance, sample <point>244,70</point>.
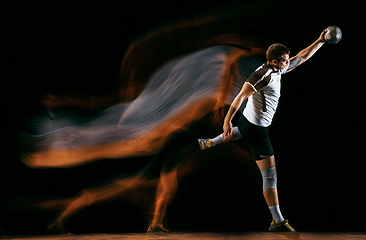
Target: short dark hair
<point>276,50</point>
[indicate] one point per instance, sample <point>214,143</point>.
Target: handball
<point>333,35</point>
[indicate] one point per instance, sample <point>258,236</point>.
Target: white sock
<point>220,139</point>
<point>217,140</point>
<point>276,214</point>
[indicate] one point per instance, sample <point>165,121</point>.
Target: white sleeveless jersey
<point>262,105</point>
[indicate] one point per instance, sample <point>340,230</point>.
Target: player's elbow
<point>246,91</point>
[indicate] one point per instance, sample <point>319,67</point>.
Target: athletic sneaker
<point>282,227</point>
<point>205,143</point>
<point>158,228</point>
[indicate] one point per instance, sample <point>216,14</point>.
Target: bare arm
<point>306,53</point>
<point>244,93</point>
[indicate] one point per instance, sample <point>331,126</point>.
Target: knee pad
<point>269,177</point>
<point>237,134</point>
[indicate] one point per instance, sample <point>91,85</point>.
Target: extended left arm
<point>306,53</point>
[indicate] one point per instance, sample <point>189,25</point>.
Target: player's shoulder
<point>261,72</point>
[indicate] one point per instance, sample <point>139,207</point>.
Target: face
<point>282,62</point>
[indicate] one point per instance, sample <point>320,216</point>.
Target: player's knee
<point>269,177</point>
<point>237,134</point>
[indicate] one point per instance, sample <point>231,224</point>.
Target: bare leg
<point>165,192</point>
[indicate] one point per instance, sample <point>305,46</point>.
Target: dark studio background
<point>318,131</point>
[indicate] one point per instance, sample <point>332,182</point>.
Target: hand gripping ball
<point>333,35</point>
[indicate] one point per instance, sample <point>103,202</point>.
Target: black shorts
<point>256,137</point>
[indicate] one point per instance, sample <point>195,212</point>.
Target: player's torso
<point>263,103</point>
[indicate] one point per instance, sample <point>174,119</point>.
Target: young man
<point>262,89</point>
